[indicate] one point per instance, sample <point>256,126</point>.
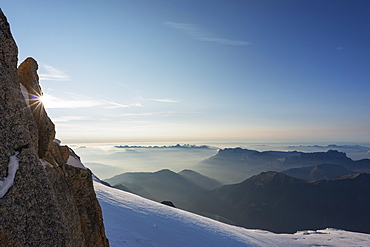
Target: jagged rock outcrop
<point>47,197</point>
<point>168,203</point>
<point>29,79</point>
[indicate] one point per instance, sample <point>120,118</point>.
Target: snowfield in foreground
<point>134,221</point>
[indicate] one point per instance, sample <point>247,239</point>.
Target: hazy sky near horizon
<point>200,70</point>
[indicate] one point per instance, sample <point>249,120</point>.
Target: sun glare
<point>45,99</point>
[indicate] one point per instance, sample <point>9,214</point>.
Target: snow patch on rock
<point>9,180</point>
<point>57,141</point>
<point>73,161</point>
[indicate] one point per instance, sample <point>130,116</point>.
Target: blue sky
<point>210,70</point>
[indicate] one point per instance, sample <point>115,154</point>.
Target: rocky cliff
<point>46,194</point>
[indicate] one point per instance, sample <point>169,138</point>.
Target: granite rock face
<point>50,201</point>
<point>29,79</point>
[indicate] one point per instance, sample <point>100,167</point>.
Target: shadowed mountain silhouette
<point>200,180</point>
<point>165,185</point>
<point>276,202</point>
<point>233,165</point>
<point>316,172</point>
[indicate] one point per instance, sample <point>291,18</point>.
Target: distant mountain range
<point>312,191</point>
<point>270,200</point>
<point>165,185</point>
<point>355,152</point>
<point>233,165</point>
<point>276,202</point>
<point>171,146</point>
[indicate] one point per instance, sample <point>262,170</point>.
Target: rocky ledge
<point>46,194</point>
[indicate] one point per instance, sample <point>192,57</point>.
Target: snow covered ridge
<point>9,180</point>
<point>131,220</point>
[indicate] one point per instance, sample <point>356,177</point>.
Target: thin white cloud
<point>195,32</point>
<point>114,105</point>
<point>70,118</point>
<point>157,114</point>
<point>122,85</point>
<point>71,101</point>
<point>136,114</point>
<point>166,100</point>
<point>51,101</point>
<point>225,41</point>
<point>137,104</point>
<point>53,74</point>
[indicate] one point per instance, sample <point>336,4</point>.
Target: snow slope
<point>134,221</point>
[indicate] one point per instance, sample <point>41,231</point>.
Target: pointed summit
<point>29,80</point>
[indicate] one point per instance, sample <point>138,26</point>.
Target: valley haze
<point>106,160</point>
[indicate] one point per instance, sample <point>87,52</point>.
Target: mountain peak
<point>27,72</point>
<point>165,171</point>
